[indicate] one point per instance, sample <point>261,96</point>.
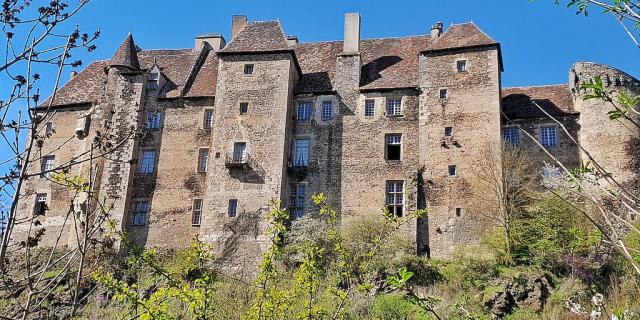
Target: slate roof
<point>387,63</point>
<point>258,36</point>
<point>126,55</point>
<point>460,36</point>
<point>554,99</point>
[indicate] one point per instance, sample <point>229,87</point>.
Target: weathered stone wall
<point>473,110</point>
<point>264,130</point>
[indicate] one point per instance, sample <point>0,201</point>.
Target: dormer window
<point>153,82</point>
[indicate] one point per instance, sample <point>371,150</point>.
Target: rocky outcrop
<point>529,292</point>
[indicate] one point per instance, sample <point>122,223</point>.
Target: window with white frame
<point>296,200</point>
<point>48,164</point>
<point>248,69</point>
<point>148,162</point>
<point>208,119</point>
<point>239,152</point>
<point>395,197</point>
<point>369,107</point>
<point>394,107</point>
<point>40,207</point>
<point>327,109</point>
<point>203,159</point>
<point>301,152</point>
<point>154,119</point>
<point>304,110</point>
<point>244,107</point>
<point>232,211</point>
<point>453,170</point>
<point>461,65</point>
<point>511,135</point>
<point>139,213</point>
<point>153,81</point>
<point>549,136</point>
<point>444,93</point>
<point>196,212</point>
<point>393,143</point>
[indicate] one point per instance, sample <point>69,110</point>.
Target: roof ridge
<point>537,86</point>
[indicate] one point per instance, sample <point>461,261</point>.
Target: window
<point>239,152</point>
<point>48,164</point>
<point>244,107</point>
<point>203,160</point>
<point>394,147</point>
<point>208,119</point>
<point>296,201</point>
<point>140,212</point>
<point>395,197</point>
<point>444,93</point>
<point>394,107</point>
<point>233,208</point>
<point>40,207</point>
<point>448,131</point>
<point>369,107</point>
<point>196,212</point>
<point>511,135</point>
<point>548,136</point>
<point>327,110</point>
<point>458,212</point>
<point>453,170</point>
<point>461,65</point>
<point>304,110</point>
<point>153,119</point>
<point>248,69</point>
<point>148,162</point>
<point>49,128</point>
<point>152,81</point>
<point>301,153</point>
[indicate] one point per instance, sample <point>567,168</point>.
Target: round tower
<point>613,144</point>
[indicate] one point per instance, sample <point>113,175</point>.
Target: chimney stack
<point>73,74</point>
<point>292,40</point>
<point>237,23</point>
<point>215,40</point>
<point>436,30</point>
<point>351,43</point>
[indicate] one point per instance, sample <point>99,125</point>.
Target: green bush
<point>395,306</point>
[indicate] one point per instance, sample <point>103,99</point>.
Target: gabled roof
<point>126,55</point>
<point>258,36</point>
<point>460,36</point>
<point>554,99</point>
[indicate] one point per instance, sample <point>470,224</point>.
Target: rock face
<point>529,292</point>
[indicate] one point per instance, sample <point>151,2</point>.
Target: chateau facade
<point>207,136</point>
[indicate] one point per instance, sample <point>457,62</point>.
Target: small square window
<point>458,212</point>
<point>453,170</point>
<point>394,107</point>
<point>49,128</point>
<point>448,131</point>
<point>461,65</point>
<point>369,107</point>
<point>196,212</point>
<point>304,110</point>
<point>208,119</point>
<point>41,205</point>
<point>444,93</point>
<point>244,107</point>
<point>233,208</point>
<point>393,147</point>
<point>248,69</point>
<point>511,135</point>
<point>549,136</point>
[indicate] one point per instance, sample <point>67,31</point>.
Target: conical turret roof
<point>126,55</point>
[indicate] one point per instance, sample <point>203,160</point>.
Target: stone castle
<point>207,136</point>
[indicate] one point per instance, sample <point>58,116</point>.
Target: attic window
<point>152,81</point>
<point>248,69</point>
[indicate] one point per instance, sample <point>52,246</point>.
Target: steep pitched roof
<point>87,86</point>
<point>554,99</point>
<point>126,55</point>
<point>258,36</point>
<point>460,36</point>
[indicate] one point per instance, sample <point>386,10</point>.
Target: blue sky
<point>540,40</point>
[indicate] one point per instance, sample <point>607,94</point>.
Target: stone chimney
<point>436,30</point>
<point>351,44</point>
<point>73,74</point>
<point>237,23</point>
<point>215,40</point>
<point>292,40</point>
